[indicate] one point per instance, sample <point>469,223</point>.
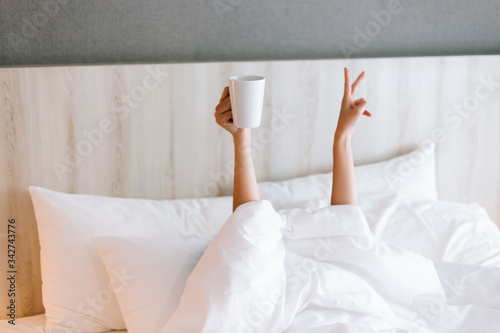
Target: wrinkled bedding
<point>324,271</point>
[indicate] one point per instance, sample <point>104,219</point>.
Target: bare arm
<point>344,180</point>
<point>245,182</point>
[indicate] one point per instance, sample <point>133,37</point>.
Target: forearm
<point>245,182</point>
<point>344,179</point>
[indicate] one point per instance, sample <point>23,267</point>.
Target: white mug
<point>247,96</point>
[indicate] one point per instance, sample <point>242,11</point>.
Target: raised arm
<point>245,182</point>
<point>344,180</point>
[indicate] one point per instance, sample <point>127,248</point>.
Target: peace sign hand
<point>351,109</point>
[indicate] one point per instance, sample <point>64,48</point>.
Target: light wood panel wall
<point>148,131</point>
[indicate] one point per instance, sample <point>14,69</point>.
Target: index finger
<point>357,82</point>
<point>225,93</point>
<point>347,87</point>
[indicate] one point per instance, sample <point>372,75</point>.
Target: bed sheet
<point>325,271</point>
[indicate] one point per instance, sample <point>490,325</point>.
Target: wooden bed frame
<point>148,131</point>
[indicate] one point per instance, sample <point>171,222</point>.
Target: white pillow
<point>77,292</point>
<point>410,175</point>
<point>158,269</point>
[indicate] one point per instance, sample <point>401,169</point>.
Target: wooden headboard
<point>148,131</point>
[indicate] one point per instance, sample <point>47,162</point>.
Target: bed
<point>126,142</point>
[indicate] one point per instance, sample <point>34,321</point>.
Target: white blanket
<point>324,271</point>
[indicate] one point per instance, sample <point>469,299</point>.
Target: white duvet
<point>324,271</point>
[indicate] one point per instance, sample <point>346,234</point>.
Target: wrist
<point>242,135</point>
<point>342,136</point>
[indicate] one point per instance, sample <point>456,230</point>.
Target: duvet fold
<point>324,271</point>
